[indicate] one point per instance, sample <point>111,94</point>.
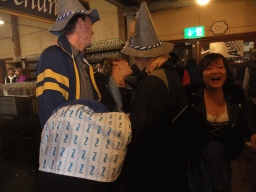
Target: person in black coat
<point>155,154</point>
<point>221,117</point>
<point>155,160</point>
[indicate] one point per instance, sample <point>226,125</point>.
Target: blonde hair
<point>21,71</point>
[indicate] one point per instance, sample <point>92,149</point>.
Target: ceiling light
<point>1,22</point>
<point>202,2</point>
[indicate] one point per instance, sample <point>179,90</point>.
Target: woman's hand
<point>253,140</point>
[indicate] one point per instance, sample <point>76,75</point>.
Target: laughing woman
<point>224,118</point>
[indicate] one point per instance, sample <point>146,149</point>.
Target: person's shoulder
<point>54,58</point>
<point>152,83</point>
<point>52,51</point>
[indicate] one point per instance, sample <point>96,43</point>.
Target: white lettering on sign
<point>46,5</point>
<point>33,4</point>
<point>17,2</point>
<point>40,8</point>
<point>51,2</point>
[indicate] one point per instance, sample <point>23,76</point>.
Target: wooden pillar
<point>122,27</point>
<point>130,15</point>
<point>2,71</point>
<point>15,36</point>
<point>198,52</point>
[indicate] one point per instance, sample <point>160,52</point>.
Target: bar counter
<point>20,128</point>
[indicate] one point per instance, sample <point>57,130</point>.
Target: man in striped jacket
<point>62,72</point>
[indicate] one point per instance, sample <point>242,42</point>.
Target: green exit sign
<point>194,32</point>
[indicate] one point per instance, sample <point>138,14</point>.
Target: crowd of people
<point>150,127</point>
<point>17,76</point>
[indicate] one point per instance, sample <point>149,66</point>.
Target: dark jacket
<point>107,98</point>
<point>241,125</point>
<point>58,80</point>
<point>7,79</point>
<point>148,163</point>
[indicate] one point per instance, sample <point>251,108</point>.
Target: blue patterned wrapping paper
<point>80,143</point>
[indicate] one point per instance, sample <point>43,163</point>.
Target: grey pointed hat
<point>66,10</point>
<point>144,42</point>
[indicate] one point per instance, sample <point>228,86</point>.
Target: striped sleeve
<point>52,82</point>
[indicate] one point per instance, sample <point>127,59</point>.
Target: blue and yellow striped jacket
<point>58,79</point>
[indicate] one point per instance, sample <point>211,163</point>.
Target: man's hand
<point>156,63</point>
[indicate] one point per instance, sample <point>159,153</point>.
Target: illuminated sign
<point>194,32</point>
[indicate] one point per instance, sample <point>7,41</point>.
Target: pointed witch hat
<point>66,10</point>
<point>143,40</point>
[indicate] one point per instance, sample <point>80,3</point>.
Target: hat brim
<point>163,49</point>
<point>61,24</point>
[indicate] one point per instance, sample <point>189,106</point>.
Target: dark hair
<point>212,58</point>
<point>209,59</point>
<point>107,65</point>
<point>174,57</point>
<point>10,69</point>
<point>70,27</point>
